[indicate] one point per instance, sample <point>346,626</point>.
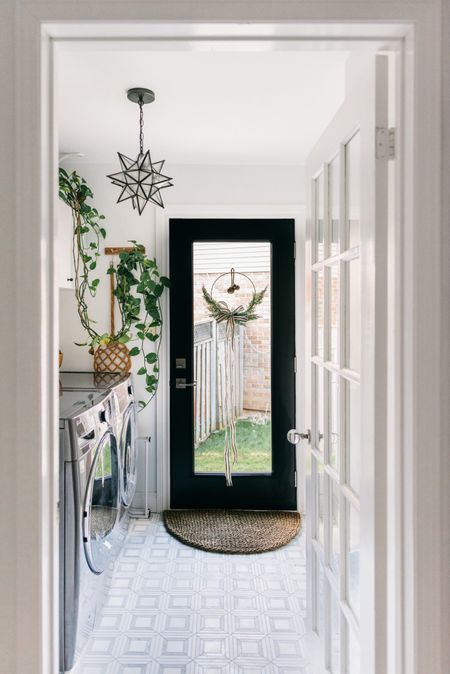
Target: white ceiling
<point>211,107</point>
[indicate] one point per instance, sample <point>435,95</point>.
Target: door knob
<point>294,436</point>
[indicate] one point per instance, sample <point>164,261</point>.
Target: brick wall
<point>257,390</point>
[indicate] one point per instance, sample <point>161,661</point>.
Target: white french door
<point>346,288</point>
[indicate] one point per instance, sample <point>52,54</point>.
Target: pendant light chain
<point>141,126</point>
<point>140,180</point>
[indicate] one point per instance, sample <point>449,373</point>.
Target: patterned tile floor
<point>172,609</point>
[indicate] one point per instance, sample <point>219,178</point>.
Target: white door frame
<point>416,577</point>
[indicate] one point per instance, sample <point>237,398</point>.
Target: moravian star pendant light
<point>140,180</point>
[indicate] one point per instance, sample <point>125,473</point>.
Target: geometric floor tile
<point>171,609</point>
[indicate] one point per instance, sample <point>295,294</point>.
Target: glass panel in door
<point>334,204</point>
<point>232,362</point>
<point>128,454</point>
<point>319,228</point>
<point>101,508</point>
<point>352,554</point>
<point>335,633</point>
<point>353,189</point>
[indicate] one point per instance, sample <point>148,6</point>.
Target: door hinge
<point>295,478</point>
<point>295,364</point>
<point>295,250</point>
<point>385,143</point>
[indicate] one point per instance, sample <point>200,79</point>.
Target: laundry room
<point>225,337</point>
<point>185,171</point>
<point>225,153</point>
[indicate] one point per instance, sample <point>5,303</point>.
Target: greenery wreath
<point>220,311</point>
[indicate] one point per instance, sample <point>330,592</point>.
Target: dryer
<point>125,423</point>
<point>89,509</point>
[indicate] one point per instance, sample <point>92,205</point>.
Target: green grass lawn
<point>254,450</point>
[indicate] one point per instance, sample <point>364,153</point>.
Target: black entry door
<point>215,368</point>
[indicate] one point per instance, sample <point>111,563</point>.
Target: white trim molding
<point>31,467</point>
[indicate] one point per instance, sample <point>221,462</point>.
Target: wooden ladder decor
<point>115,250</point>
<point>113,357</point>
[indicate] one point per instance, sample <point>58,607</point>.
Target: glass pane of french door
<point>335,370</point>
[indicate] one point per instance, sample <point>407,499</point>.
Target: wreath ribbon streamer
<point>240,315</point>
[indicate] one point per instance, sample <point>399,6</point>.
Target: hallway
<point>172,609</point>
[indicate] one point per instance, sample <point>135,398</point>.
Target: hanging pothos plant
<point>138,284</point>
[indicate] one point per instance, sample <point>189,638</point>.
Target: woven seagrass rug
<point>235,532</point>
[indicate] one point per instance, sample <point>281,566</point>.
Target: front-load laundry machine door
<point>128,455</point>
<point>102,504</point>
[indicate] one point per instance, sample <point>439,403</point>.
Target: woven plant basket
<point>113,357</point>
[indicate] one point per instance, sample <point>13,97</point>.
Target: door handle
<point>294,436</point>
<point>180,382</point>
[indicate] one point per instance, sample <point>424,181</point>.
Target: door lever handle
<point>180,382</point>
<point>295,436</point>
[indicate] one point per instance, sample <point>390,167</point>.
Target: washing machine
<point>125,423</point>
<point>89,514</point>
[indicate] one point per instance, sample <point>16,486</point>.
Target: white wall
<point>8,484</point>
<point>445,341</point>
<point>193,185</point>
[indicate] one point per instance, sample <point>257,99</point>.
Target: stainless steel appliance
<point>124,414</point>
<point>89,510</point>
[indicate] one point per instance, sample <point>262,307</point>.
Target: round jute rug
<point>235,532</point>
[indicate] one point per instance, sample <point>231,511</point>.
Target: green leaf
<point>92,265</point>
<point>140,326</point>
<point>151,358</point>
<point>95,282</point>
<point>165,281</point>
<point>142,370</point>
<point>135,351</point>
<point>124,339</point>
<point>103,231</point>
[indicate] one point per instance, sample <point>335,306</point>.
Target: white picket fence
<point>209,373</point>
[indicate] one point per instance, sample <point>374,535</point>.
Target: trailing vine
<point>138,284</point>
<point>138,290</point>
<point>87,233</point>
